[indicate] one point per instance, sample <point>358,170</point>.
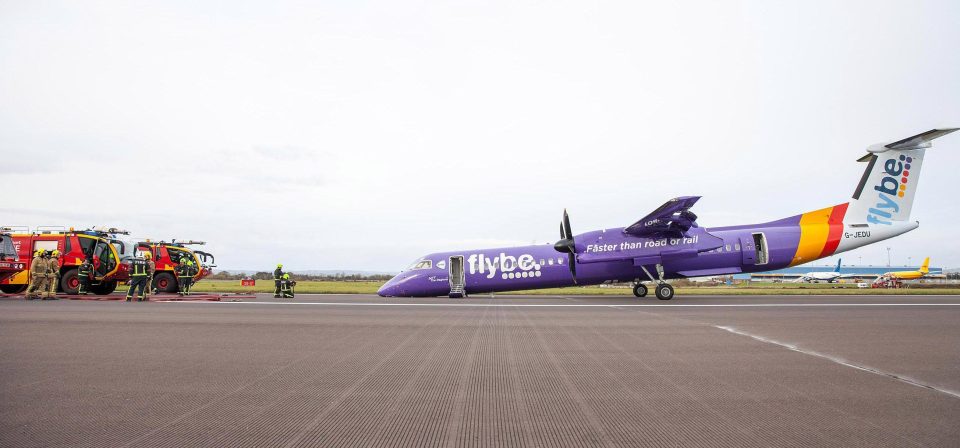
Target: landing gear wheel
<point>640,290</point>
<point>164,282</point>
<point>70,282</point>
<point>13,289</point>
<point>664,291</point>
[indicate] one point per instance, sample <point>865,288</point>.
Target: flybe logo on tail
<point>892,186</point>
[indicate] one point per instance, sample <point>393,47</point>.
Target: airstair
<point>456,276</point>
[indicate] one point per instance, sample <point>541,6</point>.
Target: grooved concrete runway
<point>339,371</point>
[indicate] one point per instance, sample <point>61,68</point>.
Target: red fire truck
<point>167,256</point>
<point>101,245</point>
<point>10,263</point>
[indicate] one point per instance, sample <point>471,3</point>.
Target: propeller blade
<point>568,245</point>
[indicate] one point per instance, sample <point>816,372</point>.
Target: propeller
<point>566,244</point>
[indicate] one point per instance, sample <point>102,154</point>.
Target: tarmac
<point>348,371</point>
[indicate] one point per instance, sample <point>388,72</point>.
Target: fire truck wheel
<point>13,289</point>
<point>70,282</point>
<point>164,282</point>
<point>104,288</point>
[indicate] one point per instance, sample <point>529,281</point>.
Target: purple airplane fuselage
<point>611,255</point>
<point>668,243</point>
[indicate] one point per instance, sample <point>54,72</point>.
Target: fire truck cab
<point>10,263</point>
<point>100,245</point>
<point>167,256</point>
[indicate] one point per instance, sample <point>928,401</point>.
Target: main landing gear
<point>640,290</point>
<point>663,290</point>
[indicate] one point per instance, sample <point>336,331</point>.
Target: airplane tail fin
<point>925,268</point>
<point>838,265</point>
<point>885,192</point>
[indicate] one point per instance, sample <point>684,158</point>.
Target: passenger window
<point>559,260</point>
<point>727,247</point>
<point>541,262</point>
<point>550,262</point>
<point>736,246</point>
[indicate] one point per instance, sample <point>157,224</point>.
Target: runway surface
<point>511,371</point>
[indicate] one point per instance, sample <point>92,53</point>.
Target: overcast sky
<point>362,134</point>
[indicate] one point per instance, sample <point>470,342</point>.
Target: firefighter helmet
<point>55,253</point>
<point>279,265</point>
<point>286,276</point>
<point>147,255</point>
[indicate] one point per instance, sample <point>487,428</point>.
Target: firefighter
<point>84,272</point>
<point>277,279</point>
<point>53,275</point>
<point>183,272</point>
<point>151,268</point>
<point>286,286</point>
<point>138,278</point>
<point>38,276</point>
<point>191,272</point>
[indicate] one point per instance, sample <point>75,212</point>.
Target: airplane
<point>907,275</point>
<point>816,277</point>
<point>669,244</point>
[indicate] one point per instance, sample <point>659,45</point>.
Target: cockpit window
<point>420,264</point>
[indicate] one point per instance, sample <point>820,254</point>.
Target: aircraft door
<point>455,274</point>
<point>760,246</point>
<point>748,249</point>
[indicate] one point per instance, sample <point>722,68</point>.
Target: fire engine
<point>166,257</point>
<point>100,244</point>
<point>10,263</point>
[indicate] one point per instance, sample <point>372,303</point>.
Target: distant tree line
<point>338,277</point>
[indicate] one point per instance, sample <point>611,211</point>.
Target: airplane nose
<point>397,286</point>
<point>387,290</point>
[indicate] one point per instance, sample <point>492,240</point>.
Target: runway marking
<point>840,361</point>
<point>577,305</point>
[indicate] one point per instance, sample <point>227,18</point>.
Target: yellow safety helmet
<point>147,255</point>
<point>279,265</point>
<point>55,253</point>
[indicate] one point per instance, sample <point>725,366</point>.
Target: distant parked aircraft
<point>817,277</point>
<point>907,275</point>
<point>668,243</point>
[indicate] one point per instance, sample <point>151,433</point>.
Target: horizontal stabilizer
<point>921,140</point>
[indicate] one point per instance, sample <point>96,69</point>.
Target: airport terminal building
<point>863,273</point>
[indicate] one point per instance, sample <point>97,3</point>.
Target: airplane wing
<point>672,218</point>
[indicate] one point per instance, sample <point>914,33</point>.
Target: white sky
<point>360,135</point>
